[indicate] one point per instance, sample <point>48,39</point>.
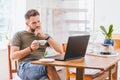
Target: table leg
<point>115,73</point>
<point>110,74</point>
<point>79,73</point>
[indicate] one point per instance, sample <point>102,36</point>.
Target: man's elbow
<point>12,57</point>
<point>61,51</point>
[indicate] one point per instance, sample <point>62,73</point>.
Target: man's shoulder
<point>21,32</point>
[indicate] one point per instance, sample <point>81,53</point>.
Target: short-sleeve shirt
<point>23,39</point>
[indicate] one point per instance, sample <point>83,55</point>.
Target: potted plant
<point>108,34</point>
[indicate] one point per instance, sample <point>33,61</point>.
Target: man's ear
<point>27,23</point>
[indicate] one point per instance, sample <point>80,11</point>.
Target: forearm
<point>51,42</point>
<point>16,55</point>
<point>55,45</point>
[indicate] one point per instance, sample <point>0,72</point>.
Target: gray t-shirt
<point>23,39</point>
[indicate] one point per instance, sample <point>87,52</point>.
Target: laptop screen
<point>76,46</point>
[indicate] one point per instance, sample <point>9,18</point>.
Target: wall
<point>107,12</point>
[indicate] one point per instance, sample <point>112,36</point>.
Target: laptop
<point>76,48</point>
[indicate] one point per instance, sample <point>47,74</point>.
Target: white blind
<point>73,20</point>
<point>61,18</point>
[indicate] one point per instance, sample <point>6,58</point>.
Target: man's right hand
<point>39,32</point>
<point>34,45</point>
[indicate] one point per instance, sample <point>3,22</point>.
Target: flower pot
<point>109,41</point>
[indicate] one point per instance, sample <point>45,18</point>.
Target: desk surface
<point>89,61</point>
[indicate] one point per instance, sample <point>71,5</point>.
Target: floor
<point>4,65</point>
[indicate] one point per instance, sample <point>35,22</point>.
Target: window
<point>11,18</point>
<point>73,20</point>
<point>4,18</point>
<point>61,18</point>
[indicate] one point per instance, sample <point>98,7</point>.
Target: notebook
<point>76,48</point>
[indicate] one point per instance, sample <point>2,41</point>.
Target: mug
<point>42,42</point>
<point>107,49</point>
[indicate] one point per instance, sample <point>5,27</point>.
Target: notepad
<point>47,60</point>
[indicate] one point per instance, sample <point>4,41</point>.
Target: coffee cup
<point>42,42</point>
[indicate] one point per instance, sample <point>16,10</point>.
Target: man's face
<point>33,23</point>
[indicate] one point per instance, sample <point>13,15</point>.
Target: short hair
<point>31,12</point>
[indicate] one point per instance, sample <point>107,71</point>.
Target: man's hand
<point>34,45</point>
<point>38,32</point>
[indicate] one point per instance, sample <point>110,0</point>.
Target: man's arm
<point>51,41</point>
<point>18,54</point>
<point>55,45</point>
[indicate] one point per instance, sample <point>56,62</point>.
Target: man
<point>26,48</point>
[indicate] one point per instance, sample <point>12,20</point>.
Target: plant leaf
<point>103,30</point>
<point>110,31</point>
<point>6,37</point>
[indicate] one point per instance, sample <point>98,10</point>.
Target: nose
<point>37,24</point>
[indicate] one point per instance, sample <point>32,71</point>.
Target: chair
<point>116,38</point>
<point>90,74</point>
<point>12,65</point>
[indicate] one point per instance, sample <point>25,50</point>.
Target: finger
<point>34,47</point>
<point>34,41</point>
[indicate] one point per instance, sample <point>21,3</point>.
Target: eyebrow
<point>35,22</point>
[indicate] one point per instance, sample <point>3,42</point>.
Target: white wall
<point>107,12</point>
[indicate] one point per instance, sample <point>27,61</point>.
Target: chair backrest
<point>64,45</point>
<point>11,64</point>
<point>116,38</point>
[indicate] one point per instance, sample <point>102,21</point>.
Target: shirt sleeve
<point>16,40</point>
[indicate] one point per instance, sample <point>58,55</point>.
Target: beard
<point>32,30</point>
